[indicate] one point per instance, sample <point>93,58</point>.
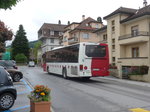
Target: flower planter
<point>43,106</point>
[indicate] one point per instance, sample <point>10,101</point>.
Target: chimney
<point>99,19</point>
<point>59,22</point>
<point>83,17</point>
<point>144,3</point>
<point>68,22</point>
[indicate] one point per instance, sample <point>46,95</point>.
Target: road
<point>94,95</point>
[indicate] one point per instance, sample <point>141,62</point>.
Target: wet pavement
<point>22,103</point>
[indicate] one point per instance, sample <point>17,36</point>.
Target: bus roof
<point>55,48</point>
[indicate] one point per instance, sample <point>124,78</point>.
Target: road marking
<point>19,108</point>
<point>28,87</point>
<point>138,110</point>
<point>6,111</point>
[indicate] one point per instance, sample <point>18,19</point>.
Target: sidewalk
<point>138,83</point>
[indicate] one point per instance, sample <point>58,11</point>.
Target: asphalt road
<point>95,95</point>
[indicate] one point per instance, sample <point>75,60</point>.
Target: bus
<point>84,60</point>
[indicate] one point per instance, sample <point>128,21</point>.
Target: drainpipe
<point>149,45</point>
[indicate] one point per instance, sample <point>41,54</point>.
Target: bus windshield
<point>95,51</point>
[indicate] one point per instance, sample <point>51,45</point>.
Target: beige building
<point>128,37</point>
<point>82,32</point>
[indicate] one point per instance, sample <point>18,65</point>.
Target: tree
<point>37,46</point>
<point>7,4</point>
<point>20,43</point>
<point>5,34</point>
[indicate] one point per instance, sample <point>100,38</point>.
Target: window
<point>113,46</point>
<point>113,59</point>
<point>105,37</point>
<point>113,25</point>
<point>97,26</point>
<point>113,22</point>
<point>52,40</point>
<point>51,32</point>
<point>86,36</point>
<point>113,28</point>
<point>95,51</point>
<point>113,41</point>
<point>135,52</point>
<point>60,33</point>
<point>134,30</point>
<point>65,39</point>
<point>66,54</point>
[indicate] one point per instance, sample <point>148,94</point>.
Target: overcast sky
<point>33,13</point>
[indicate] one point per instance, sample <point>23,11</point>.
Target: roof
<point>71,24</point>
<point>101,29</point>
<point>56,27</point>
<point>121,10</point>
<point>84,22</point>
<point>141,12</point>
<point>84,25</point>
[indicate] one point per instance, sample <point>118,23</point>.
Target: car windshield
<point>31,62</point>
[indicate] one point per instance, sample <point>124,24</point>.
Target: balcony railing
<point>135,34</point>
<point>133,61</point>
<point>72,40</point>
<point>103,41</point>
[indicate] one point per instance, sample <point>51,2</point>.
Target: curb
<point>33,88</point>
<point>138,83</point>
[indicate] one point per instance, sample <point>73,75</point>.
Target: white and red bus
<point>79,60</point>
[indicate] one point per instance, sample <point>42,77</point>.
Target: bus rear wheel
<point>48,70</point>
<point>64,73</point>
<point>86,78</point>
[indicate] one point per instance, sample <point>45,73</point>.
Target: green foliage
<point>20,58</point>
<point>5,34</point>
<point>20,43</point>
<point>7,4</point>
<point>37,46</point>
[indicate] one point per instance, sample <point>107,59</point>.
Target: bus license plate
<point>96,69</point>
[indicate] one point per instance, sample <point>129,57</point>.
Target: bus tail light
<point>85,68</point>
<point>81,67</point>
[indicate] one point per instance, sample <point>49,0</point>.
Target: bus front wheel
<point>64,73</point>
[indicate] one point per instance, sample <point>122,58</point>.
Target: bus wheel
<point>64,73</point>
<point>48,70</point>
<point>86,78</point>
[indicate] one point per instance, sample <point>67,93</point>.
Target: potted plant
<point>40,99</point>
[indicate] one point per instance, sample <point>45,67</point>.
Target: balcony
<point>103,41</point>
<point>72,40</point>
<point>41,36</point>
<point>136,37</point>
<point>129,61</point>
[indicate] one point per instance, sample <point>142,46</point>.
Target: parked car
<point>15,74</point>
<point>8,64</point>
<point>31,64</point>
<point>12,69</point>
<point>8,92</point>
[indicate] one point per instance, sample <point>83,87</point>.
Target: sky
<point>33,13</point>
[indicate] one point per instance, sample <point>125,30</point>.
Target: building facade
<point>82,32</point>
<point>128,32</point>
<point>49,35</point>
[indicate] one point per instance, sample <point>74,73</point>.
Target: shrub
<point>20,58</point>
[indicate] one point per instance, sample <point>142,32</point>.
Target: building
<point>82,32</point>
<point>128,37</point>
<point>49,34</point>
